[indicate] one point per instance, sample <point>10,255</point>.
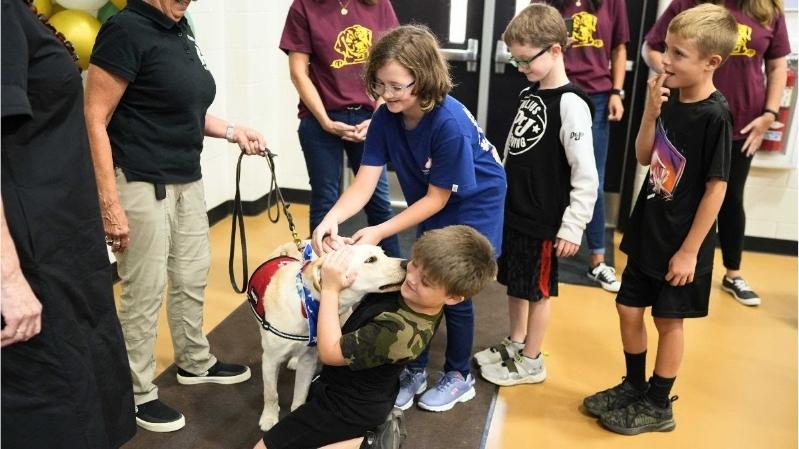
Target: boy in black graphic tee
<point>685,138</point>
<point>552,187</point>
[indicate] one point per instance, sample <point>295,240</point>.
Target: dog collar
<point>309,306</point>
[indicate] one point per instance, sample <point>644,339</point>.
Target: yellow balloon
<point>80,28</point>
<point>120,4</point>
<point>44,7</point>
<point>57,8</point>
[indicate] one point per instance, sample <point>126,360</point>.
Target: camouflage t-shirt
<point>396,335</point>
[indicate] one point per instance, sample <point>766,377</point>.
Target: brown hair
<point>712,28</point>
<point>456,258</point>
<point>764,11</point>
<point>537,25</point>
<point>416,48</point>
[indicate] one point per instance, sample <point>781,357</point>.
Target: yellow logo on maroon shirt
<point>585,25</point>
<point>353,44</point>
<point>744,37</point>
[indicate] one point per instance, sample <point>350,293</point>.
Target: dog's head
<point>377,273</point>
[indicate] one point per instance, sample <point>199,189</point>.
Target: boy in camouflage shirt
<point>363,360</point>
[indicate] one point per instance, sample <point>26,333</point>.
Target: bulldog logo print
<point>528,126</point>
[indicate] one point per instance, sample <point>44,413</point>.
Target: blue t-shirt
<point>448,150</point>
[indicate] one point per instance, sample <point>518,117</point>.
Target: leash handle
<point>273,197</point>
<point>238,221</point>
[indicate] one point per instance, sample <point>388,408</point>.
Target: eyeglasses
<point>526,63</point>
<point>380,88</point>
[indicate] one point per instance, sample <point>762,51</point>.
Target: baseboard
<point>771,246</point>
<point>252,208</point>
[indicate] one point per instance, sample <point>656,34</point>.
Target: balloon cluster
<point>79,21</point>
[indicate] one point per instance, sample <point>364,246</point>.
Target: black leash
<point>272,198</point>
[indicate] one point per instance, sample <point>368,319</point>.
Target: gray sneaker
<point>504,350</point>
<point>639,417</point>
<point>740,290</point>
<point>619,396</point>
<point>412,382</point>
<point>518,370</point>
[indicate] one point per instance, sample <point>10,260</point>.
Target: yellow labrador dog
<point>282,292</point>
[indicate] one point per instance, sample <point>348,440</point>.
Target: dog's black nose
<point>404,264</point>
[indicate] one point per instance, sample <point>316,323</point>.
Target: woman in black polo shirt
<point>148,92</point>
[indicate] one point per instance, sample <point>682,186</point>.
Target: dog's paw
<point>292,364</point>
<point>267,421</point>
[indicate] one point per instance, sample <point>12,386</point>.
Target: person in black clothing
<point>552,187</point>
<point>686,139</point>
<point>148,92</point>
<point>363,359</point>
<point>61,338</point>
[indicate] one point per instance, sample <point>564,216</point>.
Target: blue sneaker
<point>412,382</point>
<point>450,389</point>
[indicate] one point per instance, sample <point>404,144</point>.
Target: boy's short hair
<point>537,25</point>
<point>416,48</point>
<point>456,258</point>
<point>713,29</point>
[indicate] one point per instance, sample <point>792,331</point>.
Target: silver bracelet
<point>229,132</point>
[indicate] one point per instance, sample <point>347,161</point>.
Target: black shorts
<point>527,266</point>
<point>314,424</point>
<point>641,290</point>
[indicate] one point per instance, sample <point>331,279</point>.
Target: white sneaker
<point>518,370</point>
<point>605,276</point>
<point>504,350</point>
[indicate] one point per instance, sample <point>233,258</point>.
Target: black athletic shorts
<point>641,290</point>
<point>313,424</point>
<point>527,266</point>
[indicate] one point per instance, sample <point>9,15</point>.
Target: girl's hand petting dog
<point>335,275</point>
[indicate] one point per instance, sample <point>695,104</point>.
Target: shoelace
<point>445,381</point>
<point>741,285</point>
<point>607,274</point>
<point>406,379</point>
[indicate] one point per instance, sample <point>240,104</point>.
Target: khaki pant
<point>168,240</point>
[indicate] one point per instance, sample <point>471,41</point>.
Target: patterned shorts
<point>528,266</point>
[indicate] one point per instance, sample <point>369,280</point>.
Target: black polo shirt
<point>156,130</point>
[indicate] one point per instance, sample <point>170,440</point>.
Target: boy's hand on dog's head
<point>335,275</point>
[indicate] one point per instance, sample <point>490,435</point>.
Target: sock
<point>659,389</point>
<point>636,366</point>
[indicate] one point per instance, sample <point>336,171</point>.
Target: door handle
<point>501,57</point>
<point>469,55</point>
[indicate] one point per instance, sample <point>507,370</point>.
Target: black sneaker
<point>639,417</point>
<point>738,288</point>
<point>156,416</point>
<point>605,276</point>
<point>614,398</point>
<point>220,373</point>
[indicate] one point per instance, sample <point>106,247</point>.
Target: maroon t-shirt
<point>338,46</point>
<point>595,36</point>
<point>741,78</point>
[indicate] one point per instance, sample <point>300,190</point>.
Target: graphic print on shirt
<point>353,44</point>
<point>528,126</point>
<point>199,52</point>
<point>585,26</point>
<point>744,37</point>
<point>485,145</point>
<point>666,167</point>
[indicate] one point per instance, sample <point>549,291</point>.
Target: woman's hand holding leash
<point>249,140</point>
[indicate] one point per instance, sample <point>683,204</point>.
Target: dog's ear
<point>316,273</point>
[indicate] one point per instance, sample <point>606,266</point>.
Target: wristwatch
<point>229,132</point>
<point>619,92</point>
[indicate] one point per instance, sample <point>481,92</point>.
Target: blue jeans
<point>595,231</point>
<point>460,337</point>
<point>323,158</point>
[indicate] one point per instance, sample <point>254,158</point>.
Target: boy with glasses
<point>552,187</point>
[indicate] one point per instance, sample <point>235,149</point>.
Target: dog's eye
<point>372,259</point>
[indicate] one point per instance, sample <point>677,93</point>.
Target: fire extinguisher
<point>773,138</point>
